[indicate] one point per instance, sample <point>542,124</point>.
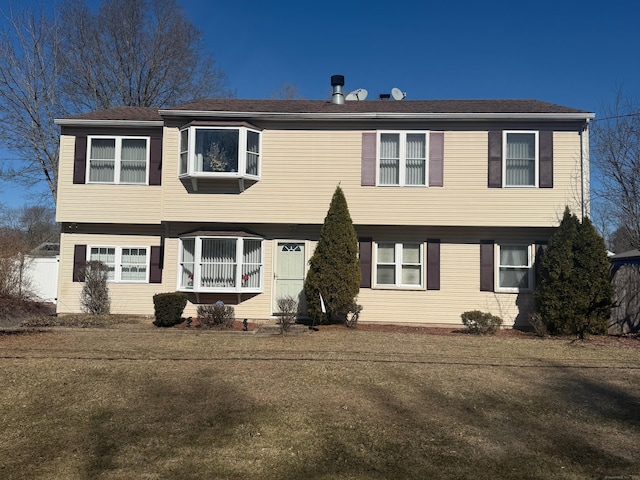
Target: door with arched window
<point>289,273</point>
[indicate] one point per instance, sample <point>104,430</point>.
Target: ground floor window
<point>399,265</point>
<point>220,264</point>
<point>515,268</point>
<point>124,264</point>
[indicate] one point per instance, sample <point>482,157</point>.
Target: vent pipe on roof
<point>337,82</point>
<point>385,96</point>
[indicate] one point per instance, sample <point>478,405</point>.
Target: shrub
<point>287,312</point>
<point>94,298</point>
<point>352,315</point>
<point>334,268</point>
<point>168,308</point>
<point>217,315</point>
<point>481,323</point>
<point>539,327</point>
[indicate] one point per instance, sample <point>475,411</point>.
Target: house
<point>625,277</point>
<point>224,199</point>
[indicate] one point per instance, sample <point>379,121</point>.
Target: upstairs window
<point>520,159</point>
<point>118,160</point>
<point>402,158</point>
<point>220,264</point>
<point>219,152</point>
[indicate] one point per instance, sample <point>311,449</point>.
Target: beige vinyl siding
<point>301,168</point>
<point>94,203</point>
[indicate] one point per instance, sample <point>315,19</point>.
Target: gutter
<point>83,122</point>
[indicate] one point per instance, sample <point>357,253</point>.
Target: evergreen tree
<point>573,288</point>
<point>334,268</point>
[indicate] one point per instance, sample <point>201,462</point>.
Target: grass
<point>134,401</point>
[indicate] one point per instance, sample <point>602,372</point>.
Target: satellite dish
<point>397,94</point>
<point>359,94</point>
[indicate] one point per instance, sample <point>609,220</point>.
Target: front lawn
<point>134,401</point>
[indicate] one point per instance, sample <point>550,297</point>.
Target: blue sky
<point>574,53</point>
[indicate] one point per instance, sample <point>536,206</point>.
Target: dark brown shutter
<point>433,264</point>
<point>546,160</point>
<point>80,160</point>
<point>540,249</point>
<point>436,159</point>
<point>495,159</point>
<point>364,248</point>
<point>79,262</point>
<point>155,272</point>
<point>155,161</point>
<point>486,266</point>
<point>368,173</point>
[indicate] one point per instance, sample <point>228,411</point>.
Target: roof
<point>631,254</point>
<point>322,109</point>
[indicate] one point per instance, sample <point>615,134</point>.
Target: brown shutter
<point>364,248</point>
<point>546,160</point>
<point>80,160</point>
<point>436,159</point>
<point>540,249</point>
<point>155,161</point>
<point>155,270</point>
<point>486,266</point>
<point>368,166</point>
<point>433,264</point>
<point>495,159</point>
<point>79,262</point>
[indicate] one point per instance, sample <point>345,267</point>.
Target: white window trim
<point>118,158</point>
<point>402,174</point>
<point>398,267</point>
<point>117,273</point>
<point>242,154</point>
<point>504,158</point>
<point>499,266</point>
<point>197,260</point>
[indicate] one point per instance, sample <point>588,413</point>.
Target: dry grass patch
<point>137,402</point>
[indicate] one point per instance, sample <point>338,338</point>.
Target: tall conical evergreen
<point>573,288</point>
<point>334,268</point>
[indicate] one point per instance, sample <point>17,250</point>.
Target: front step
<point>272,329</point>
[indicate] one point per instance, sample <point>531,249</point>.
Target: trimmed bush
<point>94,298</point>
<point>168,308</point>
<point>217,315</point>
<point>287,312</point>
<point>481,323</point>
<point>352,315</point>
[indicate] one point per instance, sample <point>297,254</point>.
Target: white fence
<point>42,277</point>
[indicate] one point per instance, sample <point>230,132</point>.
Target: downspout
<point>584,135</point>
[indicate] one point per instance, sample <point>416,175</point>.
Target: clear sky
<point>574,53</point>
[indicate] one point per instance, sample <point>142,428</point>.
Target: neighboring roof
<point>322,109</point>
<point>631,254</point>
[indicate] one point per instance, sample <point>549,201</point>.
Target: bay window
<point>399,265</point>
<point>515,268</point>
<point>219,153</point>
<point>221,264</point>
<point>403,158</point>
<point>119,160</point>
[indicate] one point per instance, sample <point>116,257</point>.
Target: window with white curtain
<point>120,160</point>
<point>220,264</point>
<point>124,264</point>
<point>219,152</point>
<point>399,265</point>
<point>402,159</point>
<point>520,159</point>
<point>515,269</point>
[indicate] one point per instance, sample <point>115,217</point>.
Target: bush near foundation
<point>168,308</point>
<point>217,315</point>
<point>481,323</point>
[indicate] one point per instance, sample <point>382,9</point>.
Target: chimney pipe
<point>337,82</point>
<point>385,96</point>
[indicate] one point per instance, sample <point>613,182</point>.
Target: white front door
<point>289,276</point>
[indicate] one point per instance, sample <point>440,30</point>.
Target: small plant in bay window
<point>218,160</point>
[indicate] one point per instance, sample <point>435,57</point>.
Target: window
<point>399,265</point>
<point>120,160</point>
<point>219,152</point>
<point>515,268</point>
<point>402,158</point>
<point>220,264</point>
<point>520,159</point>
<point>125,264</point>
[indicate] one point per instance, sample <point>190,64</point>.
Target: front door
<point>289,276</point>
